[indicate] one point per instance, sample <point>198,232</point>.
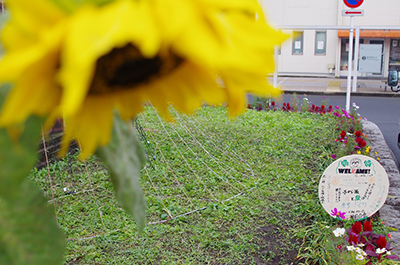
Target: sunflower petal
<point>86,42</point>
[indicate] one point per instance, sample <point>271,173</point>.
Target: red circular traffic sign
<point>353,3</point>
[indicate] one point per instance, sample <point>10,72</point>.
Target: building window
<point>320,42</point>
<point>394,56</point>
<point>344,54</point>
<point>297,42</point>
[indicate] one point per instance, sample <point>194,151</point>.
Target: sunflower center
<point>124,68</point>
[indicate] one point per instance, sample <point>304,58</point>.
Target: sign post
<point>349,64</point>
<point>351,13</point>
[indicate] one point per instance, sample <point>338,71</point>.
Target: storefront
<point>394,55</point>
<point>386,40</point>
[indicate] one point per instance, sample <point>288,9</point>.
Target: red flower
<point>273,103</point>
<point>353,239</point>
<point>322,107</point>
<point>367,226</point>
<point>356,228</point>
<point>363,144</point>
<point>381,242</point>
<point>342,134</point>
<point>357,133</point>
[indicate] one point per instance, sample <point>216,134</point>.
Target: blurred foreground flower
<point>80,60</point>
<point>94,63</point>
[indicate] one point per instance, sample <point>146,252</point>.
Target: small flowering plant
<point>338,214</point>
<point>364,245</point>
<point>350,138</point>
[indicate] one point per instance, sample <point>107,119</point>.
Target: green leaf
<point>18,157</point>
<point>125,157</point>
<point>28,231</point>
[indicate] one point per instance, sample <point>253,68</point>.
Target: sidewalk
<point>333,86</point>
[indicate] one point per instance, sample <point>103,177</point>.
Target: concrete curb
<point>390,211</point>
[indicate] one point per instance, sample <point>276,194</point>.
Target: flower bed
<point>356,242</point>
<point>362,244</point>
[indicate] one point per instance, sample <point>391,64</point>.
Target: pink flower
<point>337,214</point>
<point>334,156</point>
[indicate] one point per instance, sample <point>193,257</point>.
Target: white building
<point>324,51</point>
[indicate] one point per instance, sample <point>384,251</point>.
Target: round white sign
<point>353,187</point>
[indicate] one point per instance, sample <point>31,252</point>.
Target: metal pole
<point>349,64</point>
<point>356,49</point>
<point>275,80</point>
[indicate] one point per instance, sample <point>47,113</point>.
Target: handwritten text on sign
<point>356,185</point>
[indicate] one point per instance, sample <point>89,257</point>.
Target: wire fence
<point>190,167</point>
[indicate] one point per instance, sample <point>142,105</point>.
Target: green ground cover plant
<point>218,191</point>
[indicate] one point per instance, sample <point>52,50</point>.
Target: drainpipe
<point>356,51</point>
<point>338,42</point>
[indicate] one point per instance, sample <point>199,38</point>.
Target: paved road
<point>383,111</point>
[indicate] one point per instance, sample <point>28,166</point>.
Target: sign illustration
<point>353,187</point>
<point>353,3</point>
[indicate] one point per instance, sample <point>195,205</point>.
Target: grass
<point>255,177</point>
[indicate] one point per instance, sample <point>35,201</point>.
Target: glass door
<point>381,42</point>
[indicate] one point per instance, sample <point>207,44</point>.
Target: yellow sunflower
<point>83,62</point>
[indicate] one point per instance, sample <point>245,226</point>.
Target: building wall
<point>325,13</point>
<point>305,13</point>
<point>308,62</point>
<point>377,13</point>
<point>301,12</point>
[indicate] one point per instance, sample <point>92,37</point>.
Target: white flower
<point>339,232</point>
<point>360,257</point>
<point>360,251</point>
<point>380,250</point>
<point>388,252</point>
<point>360,245</point>
<point>350,248</point>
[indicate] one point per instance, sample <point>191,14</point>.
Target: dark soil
<point>275,250</point>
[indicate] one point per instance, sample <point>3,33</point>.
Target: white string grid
<point>194,168</point>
